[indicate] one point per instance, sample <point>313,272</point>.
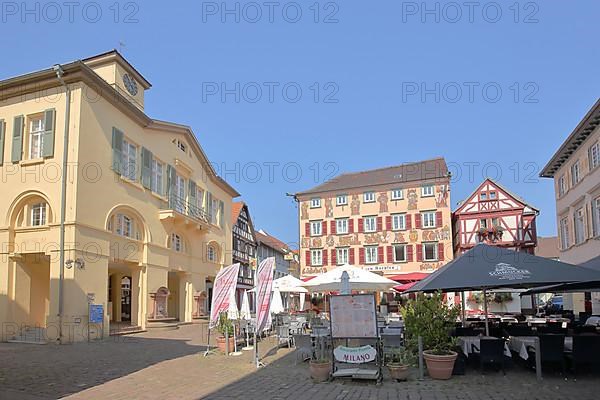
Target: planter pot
<point>221,344</point>
<point>319,372</point>
<point>399,372</point>
<point>440,367</point>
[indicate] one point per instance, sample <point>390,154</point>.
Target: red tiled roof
<point>272,242</point>
<point>547,247</point>
<point>236,208</point>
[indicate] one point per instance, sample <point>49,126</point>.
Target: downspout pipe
<point>63,202</point>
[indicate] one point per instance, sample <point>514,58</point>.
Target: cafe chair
<point>304,349</point>
<point>552,350</point>
<point>490,351</point>
<point>586,351</point>
<point>283,333</point>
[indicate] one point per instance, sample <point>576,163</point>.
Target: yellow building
<point>146,222</point>
<point>390,220</point>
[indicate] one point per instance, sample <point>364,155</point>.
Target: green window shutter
<point>17,142</point>
<point>221,214</point>
<point>48,142</point>
<point>2,128</point>
<point>117,148</point>
<point>171,178</point>
<point>146,168</point>
<point>192,195</point>
<point>208,206</point>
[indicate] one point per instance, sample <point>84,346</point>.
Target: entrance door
<point>126,298</point>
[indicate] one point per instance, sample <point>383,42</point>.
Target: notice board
<point>353,316</point>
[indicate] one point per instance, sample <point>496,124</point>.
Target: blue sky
<point>495,88</point>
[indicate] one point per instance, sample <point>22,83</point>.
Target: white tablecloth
<point>466,342</point>
<point>593,321</point>
<point>519,344</point>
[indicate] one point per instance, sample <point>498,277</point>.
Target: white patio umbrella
<point>359,280</point>
<point>245,311</point>
<point>302,300</point>
<point>232,311</point>
<point>289,284</point>
<point>276,303</point>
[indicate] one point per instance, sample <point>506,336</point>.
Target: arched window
<point>177,243</point>
<point>211,253</point>
<point>38,214</point>
<point>124,225</point>
<point>31,210</point>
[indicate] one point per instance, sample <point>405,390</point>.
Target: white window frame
<point>397,194</point>
<point>369,197</point>
<point>403,246</point>
<point>428,219</point>
<point>341,200</point>
<point>315,202</point>
<point>494,197</point>
<point>435,251</point>
<point>342,255</point>
<point>562,185</point>
<point>157,176</point>
<point>398,222</point>
<point>200,198</point>
<point>575,173</point>
<point>176,243</point>
<point>427,191</point>
<point>483,196</point>
<point>339,224</point>
<point>596,216</point>
<point>579,225</point>
<point>564,233</point>
<point>594,155</point>
<point>316,257</point>
<point>211,253</point>
<point>129,161</point>
<point>38,214</point>
<point>36,133</point>
<point>371,255</point>
<point>124,225</point>
<point>370,224</point>
<point>316,228</point>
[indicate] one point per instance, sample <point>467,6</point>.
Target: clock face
<point>130,84</point>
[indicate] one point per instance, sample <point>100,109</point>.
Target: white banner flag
<point>224,285</point>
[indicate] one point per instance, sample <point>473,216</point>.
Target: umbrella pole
<point>485,310</point>
<point>463,307</point>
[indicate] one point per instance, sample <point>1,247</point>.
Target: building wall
<point>282,265</point>
<point>412,204</point>
<point>584,196</point>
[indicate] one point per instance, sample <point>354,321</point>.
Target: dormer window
<point>180,145</point>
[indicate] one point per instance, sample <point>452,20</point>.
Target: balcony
<point>180,210</point>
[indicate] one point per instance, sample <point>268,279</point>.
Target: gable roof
<point>263,237</point>
<point>236,208</point>
<point>503,188</point>
<point>435,168</point>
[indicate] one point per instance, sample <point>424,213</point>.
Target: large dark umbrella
<point>487,267</point>
<point>593,264</point>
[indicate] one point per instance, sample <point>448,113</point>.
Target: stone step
<point>163,326</point>
<point>126,330</point>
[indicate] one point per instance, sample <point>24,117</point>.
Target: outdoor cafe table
<point>519,344</point>
<point>467,342</point>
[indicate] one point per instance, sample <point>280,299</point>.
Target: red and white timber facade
<point>494,216</point>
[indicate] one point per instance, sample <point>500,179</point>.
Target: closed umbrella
<point>245,311</point>
<point>302,300</point>
<point>276,303</point>
<point>345,283</point>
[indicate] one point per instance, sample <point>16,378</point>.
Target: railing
<point>184,207</point>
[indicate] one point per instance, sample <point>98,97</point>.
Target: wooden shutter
<point>408,221</point>
<point>325,259</point>
<point>438,219</point>
<point>209,206</point>
<point>117,148</point>
<point>441,251</point>
<point>379,224</point>
<point>361,255</point>
<point>307,258</point>
<point>48,143</point>
<point>360,225</point>
<point>388,223</point>
<point>419,252</point>
<point>333,257</point>
<point>221,214</point>
<point>324,228</point>
<point>418,218</point>
<point>146,177</point>
<point>17,140</point>
<point>409,252</point>
<point>351,225</point>
<point>333,229</point>
<point>307,229</point>
<point>380,254</point>
<point>193,193</point>
<point>2,131</point>
<point>351,255</point>
<point>390,254</point>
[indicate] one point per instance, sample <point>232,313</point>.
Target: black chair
<point>519,330</point>
<point>584,329</point>
<point>553,327</point>
<point>461,331</point>
<point>491,352</point>
<point>586,351</point>
<point>552,350</point>
<point>496,332</point>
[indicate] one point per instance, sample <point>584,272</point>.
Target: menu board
<point>353,316</point>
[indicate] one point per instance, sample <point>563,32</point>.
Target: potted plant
<point>225,327</point>
<point>431,318</point>
<point>399,364</point>
<point>320,368</point>
<point>483,232</point>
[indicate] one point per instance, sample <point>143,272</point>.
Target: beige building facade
<point>146,219</point>
<point>389,221</point>
<point>575,168</point>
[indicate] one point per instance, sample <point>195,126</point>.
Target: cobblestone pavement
<point>169,365</point>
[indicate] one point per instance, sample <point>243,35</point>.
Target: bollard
<point>421,372</point>
<point>226,342</point>
<point>538,360</point>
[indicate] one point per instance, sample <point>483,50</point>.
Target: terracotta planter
<point>221,344</point>
<point>399,372</point>
<point>440,367</point>
<point>319,371</point>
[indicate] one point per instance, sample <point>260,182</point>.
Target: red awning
<point>406,286</point>
<point>308,278</point>
<point>410,277</point>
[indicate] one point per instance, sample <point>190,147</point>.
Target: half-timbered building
<point>243,248</point>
